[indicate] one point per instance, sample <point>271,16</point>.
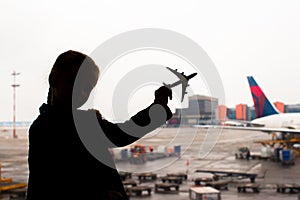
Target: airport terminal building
<point>205,110</point>
<point>201,110</point>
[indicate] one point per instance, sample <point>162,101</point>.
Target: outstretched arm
<point>145,121</point>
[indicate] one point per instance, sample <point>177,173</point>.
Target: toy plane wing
<point>183,79</point>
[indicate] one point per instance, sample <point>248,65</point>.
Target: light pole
<point>14,85</point>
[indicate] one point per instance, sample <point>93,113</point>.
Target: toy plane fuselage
<point>183,79</point>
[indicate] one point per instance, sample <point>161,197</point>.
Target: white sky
<point>259,38</point>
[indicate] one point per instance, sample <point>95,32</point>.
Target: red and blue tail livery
<point>263,107</point>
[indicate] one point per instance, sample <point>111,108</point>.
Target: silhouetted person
<point>60,165</point>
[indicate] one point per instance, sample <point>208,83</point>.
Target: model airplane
<point>183,79</point>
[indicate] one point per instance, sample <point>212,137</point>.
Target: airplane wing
<point>263,129</point>
<point>243,123</point>
<point>182,79</point>
<point>183,87</point>
<point>179,75</point>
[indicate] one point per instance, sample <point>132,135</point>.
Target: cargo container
<point>287,156</point>
<point>177,150</point>
<point>204,193</point>
<point>277,154</point>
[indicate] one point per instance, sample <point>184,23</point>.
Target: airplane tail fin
<point>263,107</point>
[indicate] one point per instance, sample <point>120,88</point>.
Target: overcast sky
<point>259,38</point>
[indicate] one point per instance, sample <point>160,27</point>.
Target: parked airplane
<point>269,119</point>
<point>267,115</point>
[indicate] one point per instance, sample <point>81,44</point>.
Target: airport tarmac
<point>203,150</point>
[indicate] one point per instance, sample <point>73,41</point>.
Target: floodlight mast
<point>14,85</point>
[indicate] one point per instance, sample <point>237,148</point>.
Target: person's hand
<point>162,94</point>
